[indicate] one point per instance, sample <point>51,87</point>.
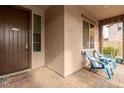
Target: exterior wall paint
<point>73,39</point>
<point>114,34</point>
<point>54,39</point>
<point>63,39</point>
<point>38,58</point>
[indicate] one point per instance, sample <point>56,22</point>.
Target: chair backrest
<point>89,56</point>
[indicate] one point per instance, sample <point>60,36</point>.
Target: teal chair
<point>97,64</point>
<point>111,59</point>
<point>118,59</point>
<point>108,57</point>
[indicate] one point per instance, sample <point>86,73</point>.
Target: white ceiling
<point>97,11</point>
<point>104,11</point>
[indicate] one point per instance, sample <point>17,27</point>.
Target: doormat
<point>3,80</point>
<point>3,83</point>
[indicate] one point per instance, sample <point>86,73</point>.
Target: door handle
<point>26,46</point>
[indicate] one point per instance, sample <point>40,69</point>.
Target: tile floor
<point>46,78</point>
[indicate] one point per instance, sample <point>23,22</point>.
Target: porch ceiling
<point>99,12</point>
<point>44,7</point>
<point>104,11</point>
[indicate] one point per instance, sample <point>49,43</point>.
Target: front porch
<point>49,79</point>
<point>56,49</point>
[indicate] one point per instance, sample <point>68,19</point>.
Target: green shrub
<point>110,51</point>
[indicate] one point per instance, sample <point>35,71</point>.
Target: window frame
<point>90,23</point>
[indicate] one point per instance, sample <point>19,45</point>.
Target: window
<point>37,33</point>
<point>88,35</point>
<point>85,35</point>
<point>91,36</point>
<point>120,26</point>
<point>106,30</point>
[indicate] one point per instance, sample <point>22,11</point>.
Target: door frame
<point>115,19</point>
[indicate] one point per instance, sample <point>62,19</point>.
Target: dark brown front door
<point>14,29</point>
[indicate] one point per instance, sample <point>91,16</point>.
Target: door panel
<point>7,42</point>
<point>9,21</point>
<point>13,37</point>
<point>2,59</point>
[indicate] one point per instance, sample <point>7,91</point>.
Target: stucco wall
<point>63,39</point>
<point>73,39</point>
<point>38,58</point>
<point>54,38</point>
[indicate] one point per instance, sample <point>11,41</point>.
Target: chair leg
<point>114,64</point>
<point>90,68</point>
<point>108,73</point>
<point>111,71</point>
